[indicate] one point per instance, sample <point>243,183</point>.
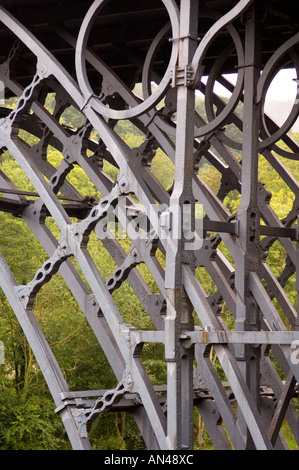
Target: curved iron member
<point>269,71</point>
<point>86,89</point>
<point>222,22</point>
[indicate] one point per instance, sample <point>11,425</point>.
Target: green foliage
<point>163,169</point>
<point>28,423</point>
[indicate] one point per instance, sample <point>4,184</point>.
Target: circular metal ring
<point>81,71</point>
<point>146,77</point>
<point>270,70</point>
<point>216,121</point>
<point>149,59</point>
<point>270,140</point>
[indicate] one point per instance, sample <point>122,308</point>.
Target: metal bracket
<point>85,416</point>
<point>123,270</point>
<point>182,76</point>
<point>166,220</point>
<point>188,36</point>
<point>27,293</point>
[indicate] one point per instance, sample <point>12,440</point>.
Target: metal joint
<point>83,416</point>
<point>182,76</point>
<point>188,36</point>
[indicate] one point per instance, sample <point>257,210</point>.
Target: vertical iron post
<point>179,311</point>
<point>249,259</point>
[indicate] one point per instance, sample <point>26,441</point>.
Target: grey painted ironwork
<point>186,319</point>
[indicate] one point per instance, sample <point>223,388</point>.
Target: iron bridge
<point>147,62</point>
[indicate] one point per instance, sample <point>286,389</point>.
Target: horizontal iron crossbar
<point>222,337</point>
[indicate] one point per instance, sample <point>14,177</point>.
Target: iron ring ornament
<point>152,99</point>
<point>217,120</point>
<point>220,23</point>
<point>214,121</point>
<point>270,70</point>
<point>82,77</point>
